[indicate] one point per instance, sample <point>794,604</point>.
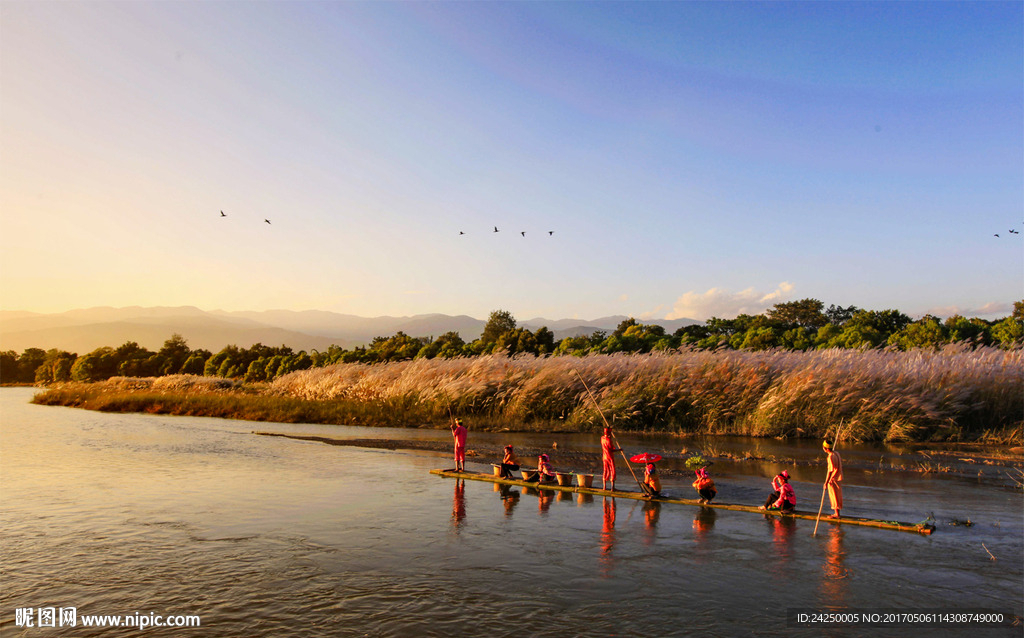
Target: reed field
<point>952,394</point>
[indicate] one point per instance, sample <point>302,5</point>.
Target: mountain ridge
<point>85,329</point>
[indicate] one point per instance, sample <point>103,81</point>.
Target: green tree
<point>839,315</point>
<point>499,323</point>
<point>1009,332</point>
<point>28,363</point>
<point>56,366</point>
<point>98,365</point>
<point>806,313</point>
<point>8,366</point>
<point>175,352</point>
<point>927,332</point>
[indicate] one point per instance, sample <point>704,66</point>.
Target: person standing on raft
<point>833,479</point>
<point>704,486</point>
<point>459,434</point>
<point>608,451</point>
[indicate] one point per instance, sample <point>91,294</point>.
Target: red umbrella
<point>646,457</point>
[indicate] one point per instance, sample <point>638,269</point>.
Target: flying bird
<point>1014,232</point>
<point>523,233</point>
<point>267,220</point>
<point>551,232</point>
<point>997,234</point>
<point>222,214</point>
<point>495,229</point>
<point>461,233</point>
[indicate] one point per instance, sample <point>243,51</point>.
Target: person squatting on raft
<point>652,482</point>
<point>509,463</point>
<point>787,498</point>
<point>704,486</point>
<point>833,479</point>
<point>776,488</point>
<point>545,473</point>
<point>459,434</point>
<point>608,451</point>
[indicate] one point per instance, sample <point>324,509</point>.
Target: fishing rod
<point>643,488</point>
<point>824,487</point>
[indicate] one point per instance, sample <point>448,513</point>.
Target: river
<point>123,514</point>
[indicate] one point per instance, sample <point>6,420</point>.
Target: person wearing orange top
<point>459,434</point>
<point>608,451</point>
<point>652,482</point>
<point>509,463</point>
<point>833,479</point>
<point>704,486</point>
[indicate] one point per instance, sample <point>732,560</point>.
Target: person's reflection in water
<point>607,536</point>
<point>509,497</point>
<point>782,534</point>
<point>833,583</point>
<point>544,500</point>
<point>459,504</point>
<point>652,511</point>
<point>703,523</point>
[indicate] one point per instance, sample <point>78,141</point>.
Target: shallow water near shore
<point>265,536</point>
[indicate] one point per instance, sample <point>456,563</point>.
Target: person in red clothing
<point>608,451</point>
<point>704,486</point>
<point>459,434</point>
<point>787,498</point>
<point>776,487</point>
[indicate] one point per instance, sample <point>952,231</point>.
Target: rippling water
<point>261,536</point>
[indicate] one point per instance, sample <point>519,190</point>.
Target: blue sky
<point>693,159</point>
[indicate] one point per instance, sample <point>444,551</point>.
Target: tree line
<point>797,325</point>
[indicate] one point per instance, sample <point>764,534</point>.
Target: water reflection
<point>834,583</point>
<point>607,535</point>
<point>509,497</point>
<point>652,512</point>
<point>782,528</point>
<point>459,504</point>
<point>544,500</point>
<point>584,499</point>
<point>703,523</point>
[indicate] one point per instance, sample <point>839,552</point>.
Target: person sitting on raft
<point>776,488</point>
<point>509,463</point>
<point>704,486</point>
<point>652,482</point>
<point>787,498</point>
<point>545,473</point>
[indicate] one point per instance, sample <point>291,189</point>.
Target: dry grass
<point>951,394</point>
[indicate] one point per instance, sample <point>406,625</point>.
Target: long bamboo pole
<point>824,487</point>
<point>643,488</point>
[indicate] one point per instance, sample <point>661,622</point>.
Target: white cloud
<point>992,310</point>
<point>717,302</point>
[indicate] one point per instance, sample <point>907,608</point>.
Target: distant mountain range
<point>84,330</point>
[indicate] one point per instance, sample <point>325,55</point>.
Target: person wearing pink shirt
<point>459,433</point>
<point>787,498</point>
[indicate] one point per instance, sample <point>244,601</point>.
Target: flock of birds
<point>523,233</point>
<point>223,214</point>
<point>1012,232</point>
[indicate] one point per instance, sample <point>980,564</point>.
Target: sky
<point>664,159</point>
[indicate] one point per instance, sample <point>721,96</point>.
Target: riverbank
<point>951,395</point>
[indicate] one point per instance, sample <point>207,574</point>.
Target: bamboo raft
<point>919,528</point>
